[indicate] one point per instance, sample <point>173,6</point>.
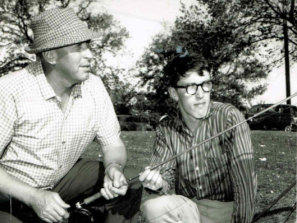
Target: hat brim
<point>64,41</point>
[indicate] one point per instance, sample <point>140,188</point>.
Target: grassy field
<point>275,156</point>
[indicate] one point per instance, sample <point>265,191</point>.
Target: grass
<point>277,172</point>
<point>275,158</point>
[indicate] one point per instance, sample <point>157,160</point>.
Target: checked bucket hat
<point>58,27</point>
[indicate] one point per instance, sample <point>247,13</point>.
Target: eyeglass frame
<point>197,86</point>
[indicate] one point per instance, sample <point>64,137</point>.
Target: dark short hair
<point>179,66</point>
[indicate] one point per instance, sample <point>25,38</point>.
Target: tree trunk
<point>287,61</point>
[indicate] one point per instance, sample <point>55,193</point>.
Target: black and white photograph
<point>148,111</point>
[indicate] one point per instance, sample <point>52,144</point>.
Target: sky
<point>276,90</point>
<point>144,19</point>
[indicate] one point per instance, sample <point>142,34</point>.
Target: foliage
<point>113,36</point>
<point>269,18</point>
<point>122,93</point>
<point>214,32</point>
<point>15,33</point>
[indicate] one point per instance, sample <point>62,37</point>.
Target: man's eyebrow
<point>75,45</point>
<point>192,83</point>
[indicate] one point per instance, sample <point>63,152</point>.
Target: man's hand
<point>151,179</point>
<point>115,183</point>
<point>49,206</point>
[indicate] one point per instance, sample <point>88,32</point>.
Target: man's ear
<point>172,93</point>
<point>50,56</point>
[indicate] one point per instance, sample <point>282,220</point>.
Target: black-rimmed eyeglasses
<point>193,88</point>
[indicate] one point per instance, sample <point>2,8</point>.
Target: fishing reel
<point>84,213</point>
<point>80,216</point>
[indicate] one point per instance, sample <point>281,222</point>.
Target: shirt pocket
<point>34,117</point>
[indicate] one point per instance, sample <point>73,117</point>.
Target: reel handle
<point>88,200</point>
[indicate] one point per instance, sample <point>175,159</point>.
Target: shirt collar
<point>46,90</point>
<point>178,123</point>
<point>76,91</point>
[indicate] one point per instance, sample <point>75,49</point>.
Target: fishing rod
<point>97,195</point>
<point>291,212</point>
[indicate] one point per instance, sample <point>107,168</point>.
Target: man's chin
<point>82,78</point>
<point>85,76</point>
<point>200,115</point>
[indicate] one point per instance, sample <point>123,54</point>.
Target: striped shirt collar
<point>46,90</point>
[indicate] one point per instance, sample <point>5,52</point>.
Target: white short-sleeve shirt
<point>38,142</point>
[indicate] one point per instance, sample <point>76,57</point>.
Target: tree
<point>276,20</point>
<point>269,17</point>
<point>214,32</point>
<point>122,93</point>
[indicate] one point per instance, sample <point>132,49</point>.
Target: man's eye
<point>79,46</point>
<point>76,47</point>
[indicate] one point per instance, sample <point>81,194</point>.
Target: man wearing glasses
<point>216,182</point>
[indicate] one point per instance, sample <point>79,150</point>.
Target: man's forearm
<point>15,188</point>
<point>115,155</point>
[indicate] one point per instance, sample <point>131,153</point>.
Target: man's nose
<point>199,92</point>
<point>87,53</point>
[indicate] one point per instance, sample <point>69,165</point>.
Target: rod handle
<point>88,200</point>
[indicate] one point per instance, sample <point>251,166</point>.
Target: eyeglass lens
<point>192,89</point>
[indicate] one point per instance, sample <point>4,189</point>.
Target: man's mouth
<point>199,104</point>
<point>86,67</point>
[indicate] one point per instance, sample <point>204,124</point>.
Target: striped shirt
<point>39,143</point>
<point>221,169</point>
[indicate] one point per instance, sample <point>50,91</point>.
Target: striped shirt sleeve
<point>242,168</point>
<point>162,152</point>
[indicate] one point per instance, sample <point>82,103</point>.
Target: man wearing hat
<point>49,113</point>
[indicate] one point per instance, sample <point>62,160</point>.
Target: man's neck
<point>61,88</point>
<point>59,85</point>
<point>191,122</point>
